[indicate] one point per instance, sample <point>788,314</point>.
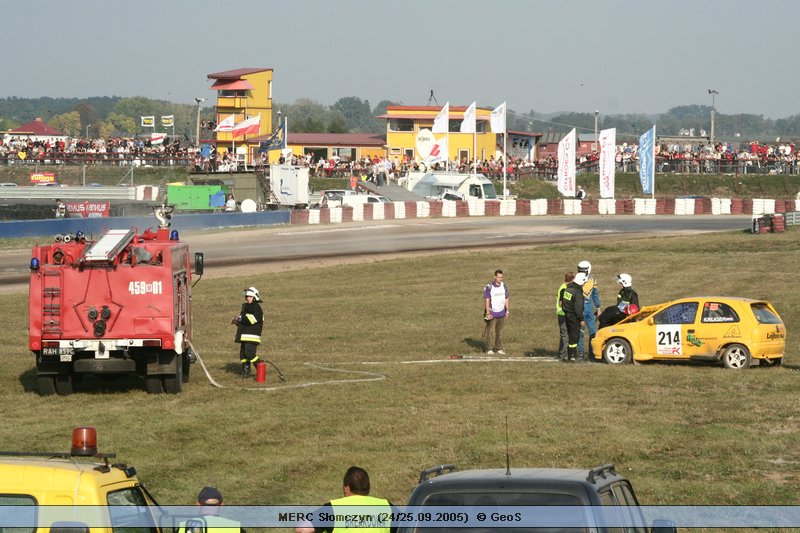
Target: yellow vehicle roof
<point>60,481</point>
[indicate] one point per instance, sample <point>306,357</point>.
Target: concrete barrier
<point>98,226</point>
<point>399,210</point>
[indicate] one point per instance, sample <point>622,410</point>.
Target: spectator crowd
<point>119,150</point>
<point>673,156</point>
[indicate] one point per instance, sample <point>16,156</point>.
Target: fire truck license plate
<point>65,354</point>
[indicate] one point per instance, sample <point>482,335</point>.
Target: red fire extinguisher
<point>261,372</point>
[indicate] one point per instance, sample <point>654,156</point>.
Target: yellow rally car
<point>732,330</point>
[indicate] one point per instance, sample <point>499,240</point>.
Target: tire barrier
<point>523,207</point>
<point>778,223</point>
<point>758,207</point>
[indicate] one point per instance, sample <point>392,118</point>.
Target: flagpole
<point>653,191</point>
<point>505,156</point>
<point>447,136</point>
<point>505,163</point>
<point>475,142</point>
<point>285,132</point>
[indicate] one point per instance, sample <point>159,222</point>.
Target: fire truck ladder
<point>51,302</point>
<point>105,250</point>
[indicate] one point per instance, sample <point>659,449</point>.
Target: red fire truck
<point>120,304</point>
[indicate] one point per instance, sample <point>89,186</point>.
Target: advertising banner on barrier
<point>647,160</point>
<point>88,209</point>
<point>608,150</point>
<point>43,177</point>
<point>566,164</point>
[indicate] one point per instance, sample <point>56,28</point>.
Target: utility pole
<point>713,93</point>
<point>198,101</point>
<point>594,144</point>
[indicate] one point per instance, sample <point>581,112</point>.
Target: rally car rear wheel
<point>617,352</point>
<point>736,357</point>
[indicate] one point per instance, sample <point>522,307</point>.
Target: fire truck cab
<point>120,304</point>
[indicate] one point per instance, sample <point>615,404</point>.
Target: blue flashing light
<point>35,263</point>
<point>173,235</point>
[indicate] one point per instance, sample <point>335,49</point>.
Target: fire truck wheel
<point>46,385</point>
<point>173,383</point>
<point>186,367</point>
<point>153,385</point>
<point>64,384</point>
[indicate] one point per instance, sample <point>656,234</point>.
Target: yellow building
<point>347,146</point>
<point>403,124</point>
<point>242,93</point>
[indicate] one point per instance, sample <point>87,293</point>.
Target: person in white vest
<point>495,297</point>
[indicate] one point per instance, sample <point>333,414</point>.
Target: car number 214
<point>668,339</point>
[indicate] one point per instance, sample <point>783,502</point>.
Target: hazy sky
<point>620,56</point>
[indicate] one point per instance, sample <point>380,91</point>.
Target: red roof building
<point>37,128</point>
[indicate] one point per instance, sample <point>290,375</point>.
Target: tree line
<point>109,116</point>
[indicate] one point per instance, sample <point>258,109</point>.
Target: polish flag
<point>251,126</point>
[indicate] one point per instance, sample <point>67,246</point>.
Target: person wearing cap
<point>209,503</point>
<point>572,305</point>
<point>61,209</point>
<point>249,324</point>
<point>355,487</point>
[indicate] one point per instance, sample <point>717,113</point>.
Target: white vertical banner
<point>498,119</point>
<point>439,151</point>
<point>566,164</point>
<point>468,124</point>
<point>441,124</point>
<point>607,170</point>
<point>647,161</point>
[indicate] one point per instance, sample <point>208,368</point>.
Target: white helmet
<point>585,266</point>
<point>252,291</point>
<point>580,278</point>
<point>625,280</point>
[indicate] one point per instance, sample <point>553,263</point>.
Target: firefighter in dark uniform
<point>627,303</point>
<point>572,305</point>
<point>249,324</point>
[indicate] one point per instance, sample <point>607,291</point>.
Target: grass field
<point>682,434</point>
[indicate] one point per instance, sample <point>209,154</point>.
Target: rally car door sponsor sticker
<point>668,339</point>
